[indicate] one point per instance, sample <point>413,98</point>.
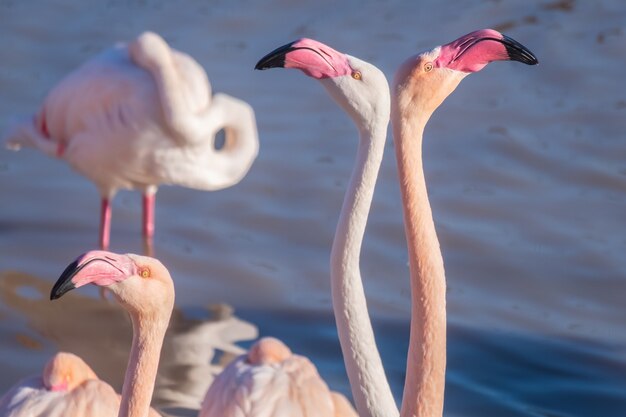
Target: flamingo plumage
<point>67,387</point>
<point>361,89</point>
<point>270,381</point>
<point>139,115</point>
<point>144,287</point>
<point>420,85</point>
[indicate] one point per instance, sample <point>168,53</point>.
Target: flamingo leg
<point>148,214</point>
<point>105,223</point>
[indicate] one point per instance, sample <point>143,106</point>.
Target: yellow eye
<point>428,67</point>
<point>356,75</point>
<point>144,273</point>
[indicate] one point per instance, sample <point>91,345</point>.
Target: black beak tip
<point>275,59</point>
<point>64,283</point>
<point>518,52</point>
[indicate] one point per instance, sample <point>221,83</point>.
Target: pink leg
<point>105,223</point>
<point>148,215</point>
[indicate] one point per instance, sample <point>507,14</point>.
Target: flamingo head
<point>65,371</point>
<point>359,88</point>
<point>434,74</point>
<point>140,283</point>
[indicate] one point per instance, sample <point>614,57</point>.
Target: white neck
<point>142,366</point>
<point>369,384</point>
<point>426,362</point>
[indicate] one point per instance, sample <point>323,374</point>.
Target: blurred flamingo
<point>68,387</point>
<point>140,115</point>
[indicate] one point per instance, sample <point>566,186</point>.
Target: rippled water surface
<point>526,175</point>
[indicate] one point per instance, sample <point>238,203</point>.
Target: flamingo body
<point>67,388</point>
<point>270,381</point>
<point>112,120</point>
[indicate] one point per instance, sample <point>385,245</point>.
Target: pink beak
<point>312,57</point>
<point>472,52</point>
<point>98,267</point>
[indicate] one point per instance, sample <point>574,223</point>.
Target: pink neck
<point>426,362</point>
<point>105,223</point>
<point>142,367</point>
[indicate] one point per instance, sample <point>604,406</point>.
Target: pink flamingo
<point>362,91</point>
<point>421,84</point>
<point>68,387</point>
<point>140,115</point>
<point>144,287</point>
<point>347,83</point>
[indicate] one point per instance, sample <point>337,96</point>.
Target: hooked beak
<point>276,58</point>
<point>518,52</point>
<point>98,267</point>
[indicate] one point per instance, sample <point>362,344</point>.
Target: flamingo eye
<point>357,75</point>
<point>428,67</point>
<point>144,273</point>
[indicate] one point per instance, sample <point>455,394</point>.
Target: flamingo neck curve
<point>370,387</point>
<point>143,363</point>
<point>426,362</point>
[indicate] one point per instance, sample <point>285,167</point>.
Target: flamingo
<point>362,91</point>
<point>419,88</point>
<point>144,287</point>
<point>137,116</point>
<point>68,387</point>
<point>420,85</point>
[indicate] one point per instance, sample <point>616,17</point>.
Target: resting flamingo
<point>447,65</point>
<point>68,387</point>
<point>144,287</point>
<point>137,116</point>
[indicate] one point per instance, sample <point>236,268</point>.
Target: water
<point>525,172</point>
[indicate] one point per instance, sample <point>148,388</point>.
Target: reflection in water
<point>197,345</point>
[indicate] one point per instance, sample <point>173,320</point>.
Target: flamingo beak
<point>98,267</point>
<point>276,58</point>
<point>518,52</point>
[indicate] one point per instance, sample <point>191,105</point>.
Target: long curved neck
<point>370,388</point>
<point>426,362</point>
<point>142,366</point>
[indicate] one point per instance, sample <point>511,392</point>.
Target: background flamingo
<point>68,387</point>
<point>140,115</point>
<point>362,91</point>
<point>270,381</point>
<point>421,84</point>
